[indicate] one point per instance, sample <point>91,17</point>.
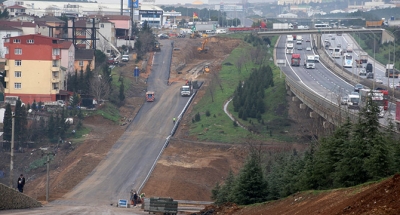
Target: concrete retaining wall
<point>13,199</point>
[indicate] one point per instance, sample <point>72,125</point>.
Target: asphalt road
<point>319,80</point>
<point>130,159</point>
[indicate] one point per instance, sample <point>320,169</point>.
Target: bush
<point>197,117</point>
<point>208,113</point>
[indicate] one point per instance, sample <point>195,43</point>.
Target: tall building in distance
<point>294,2</point>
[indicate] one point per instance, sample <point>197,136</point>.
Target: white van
<point>221,31</point>
<point>210,31</point>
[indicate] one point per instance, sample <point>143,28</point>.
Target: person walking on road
<point>21,183</point>
<point>135,198</point>
<point>174,120</point>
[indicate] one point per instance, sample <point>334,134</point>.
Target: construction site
<point>189,169</point>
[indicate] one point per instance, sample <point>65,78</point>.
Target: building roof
<point>8,28</point>
<point>17,7</point>
<point>49,19</point>
<point>150,7</point>
<point>84,54</point>
<point>65,44</point>
<point>80,23</point>
<point>17,24</point>
<point>111,17</point>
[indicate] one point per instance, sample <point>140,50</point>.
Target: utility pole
<point>47,179</point>
<point>12,151</point>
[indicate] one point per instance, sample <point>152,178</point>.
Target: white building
<point>6,32</point>
<point>152,14</point>
<point>287,15</point>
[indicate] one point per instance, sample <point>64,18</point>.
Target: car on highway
<point>370,75</point>
<point>379,80</point>
<point>339,45</point>
<point>343,100</point>
<point>299,47</point>
<point>308,40</point>
<point>358,87</point>
<point>333,38</point>
<point>354,93</point>
<point>326,40</point>
<point>308,49</point>
<point>363,72</point>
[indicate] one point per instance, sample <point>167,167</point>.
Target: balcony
<point>55,79</point>
<point>55,68</point>
<point>56,57</point>
<point>6,67</point>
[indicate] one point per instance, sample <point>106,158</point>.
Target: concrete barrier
<point>13,199</point>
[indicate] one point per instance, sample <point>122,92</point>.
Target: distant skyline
<point>158,2</point>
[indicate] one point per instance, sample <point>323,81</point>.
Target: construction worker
<point>173,119</point>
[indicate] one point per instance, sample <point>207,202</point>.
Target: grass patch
<point>39,162</point>
<point>109,111</point>
<point>218,126</point>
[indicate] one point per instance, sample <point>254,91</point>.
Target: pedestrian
<point>173,119</point>
<point>21,183</point>
<point>131,198</point>
<point>135,198</point>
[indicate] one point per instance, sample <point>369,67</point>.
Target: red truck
<point>295,60</point>
<point>294,37</point>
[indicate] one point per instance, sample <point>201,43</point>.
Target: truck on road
<point>391,72</point>
<point>295,61</point>
<point>282,26</point>
<point>377,99</point>
<point>186,90</point>
<point>310,62</point>
<point>289,44</point>
<point>299,40</point>
<point>353,101</point>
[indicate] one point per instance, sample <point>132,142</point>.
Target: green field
<point>218,126</point>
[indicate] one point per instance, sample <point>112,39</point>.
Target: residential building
<point>6,32</point>
<point>53,26</point>
<point>33,68</point>
<point>67,57</point>
<point>26,27</point>
<point>84,57</point>
<point>16,10</point>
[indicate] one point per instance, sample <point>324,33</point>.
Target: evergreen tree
<point>88,77</point>
<point>251,185</point>
<point>81,85</point>
<point>51,128</point>
<point>7,123</point>
<point>121,95</point>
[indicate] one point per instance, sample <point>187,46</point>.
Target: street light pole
<point>12,151</point>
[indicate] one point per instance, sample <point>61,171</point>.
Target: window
<point>55,86</point>
<point>8,35</point>
<point>18,51</point>
<point>56,51</point>
<point>18,63</point>
<point>102,25</point>
<point>55,63</point>
<point>80,63</point>
<point>55,74</point>
<point>12,10</point>
<point>17,41</point>
<point>6,50</point>
<point>17,74</point>
<point>54,41</point>
<point>30,41</point>
<point>22,10</point>
<point>17,85</point>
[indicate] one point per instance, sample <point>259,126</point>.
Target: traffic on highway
<point>302,64</point>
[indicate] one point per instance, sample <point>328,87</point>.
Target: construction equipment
<point>204,35</point>
<point>206,69</point>
<point>112,46</point>
<point>203,48</point>
<point>150,96</point>
<point>195,35</point>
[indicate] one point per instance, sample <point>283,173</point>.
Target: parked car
<point>358,87</point>
<point>363,72</point>
<point>378,81</point>
<point>112,61</point>
<point>125,58</point>
<point>344,99</point>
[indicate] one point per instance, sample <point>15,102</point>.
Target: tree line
<point>354,154</point>
<point>248,98</point>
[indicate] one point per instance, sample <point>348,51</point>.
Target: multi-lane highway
<point>320,80</point>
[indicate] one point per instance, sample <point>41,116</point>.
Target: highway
<point>130,159</point>
<point>320,80</point>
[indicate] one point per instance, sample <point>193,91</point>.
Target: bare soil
<point>189,169</point>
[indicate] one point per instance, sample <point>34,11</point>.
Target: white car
<point>378,81</point>
<point>308,49</point>
<point>125,58</point>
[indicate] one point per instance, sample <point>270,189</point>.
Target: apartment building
<point>33,68</point>
<point>6,32</point>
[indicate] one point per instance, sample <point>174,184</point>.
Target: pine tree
<point>121,91</point>
<point>7,123</point>
<point>251,186</point>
